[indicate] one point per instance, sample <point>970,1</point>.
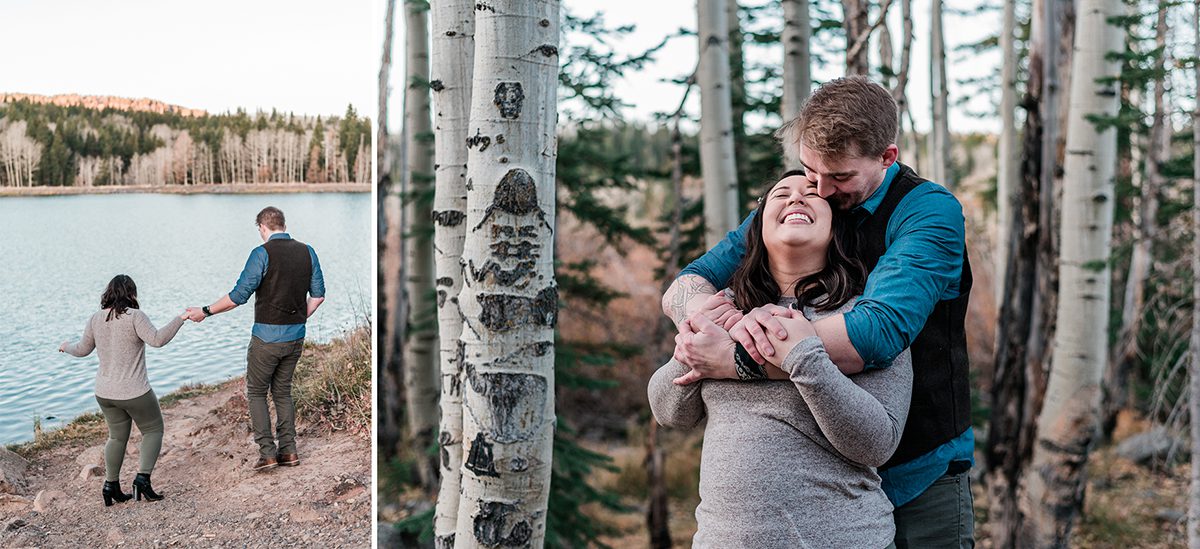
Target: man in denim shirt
<point>289,286</point>
<point>911,239</point>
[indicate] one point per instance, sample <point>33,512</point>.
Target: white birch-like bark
<point>1008,177</point>
<point>797,60</point>
<point>420,350</point>
<point>1193,523</point>
<point>453,55</point>
<point>718,167</point>
<point>1069,419</point>
<point>939,155</point>
<point>509,298</point>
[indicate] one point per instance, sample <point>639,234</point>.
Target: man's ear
<point>890,154</point>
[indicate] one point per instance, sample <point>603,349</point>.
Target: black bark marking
<point>441,298</point>
<point>470,184</point>
<point>451,33</point>
<point>481,141</point>
<point>544,22</point>
<point>449,218</point>
<point>504,160</point>
<point>519,276</point>
<point>503,312</point>
<point>523,249</point>
<point>516,194</point>
<point>479,458</point>
<point>518,464</point>
<point>492,521</point>
<point>445,281</point>
<point>444,542</point>
<point>505,231</point>
<point>509,98</point>
<point>516,403</point>
<point>484,7</point>
<point>437,86</point>
<point>444,440</point>
<point>546,50</point>
<point>499,139</point>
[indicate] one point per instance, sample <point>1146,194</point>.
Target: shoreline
<point>232,188</point>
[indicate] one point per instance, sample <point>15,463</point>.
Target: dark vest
<point>941,397</point>
<point>281,297</point>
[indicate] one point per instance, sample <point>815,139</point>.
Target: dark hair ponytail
<point>842,278</point>
<point>119,296</point>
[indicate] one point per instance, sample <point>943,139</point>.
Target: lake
<point>58,253</point>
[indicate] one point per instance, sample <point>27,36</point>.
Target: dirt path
<point>213,499</point>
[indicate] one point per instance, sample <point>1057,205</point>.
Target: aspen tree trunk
<point>717,163</point>
<point>856,25</point>
<point>737,80</point>
<point>797,62</point>
<point>1117,375</point>
<point>453,56</point>
<point>509,298</point>
<point>389,384</point>
<point>1018,377</point>
<point>1008,176</point>
<point>1069,420</point>
<point>420,349</point>
<point>939,154</point>
<point>887,57</point>
<point>900,92</point>
<point>1194,366</point>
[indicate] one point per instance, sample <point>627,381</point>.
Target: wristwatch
<point>206,311</point>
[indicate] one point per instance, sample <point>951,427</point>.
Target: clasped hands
<point>707,337</point>
<point>194,314</point>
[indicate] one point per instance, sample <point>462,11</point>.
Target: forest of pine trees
<point>51,145</point>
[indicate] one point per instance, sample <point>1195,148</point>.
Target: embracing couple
<point>286,279</point>
<point>832,368</point>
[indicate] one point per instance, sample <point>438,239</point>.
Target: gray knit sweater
<point>121,345</point>
<point>792,463</point>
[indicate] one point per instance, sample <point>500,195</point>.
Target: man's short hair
<point>850,116</point>
<point>271,218</point>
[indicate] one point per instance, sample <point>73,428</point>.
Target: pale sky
<point>657,18</point>
<point>304,56</point>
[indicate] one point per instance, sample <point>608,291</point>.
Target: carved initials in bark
<point>503,312</point>
<point>491,522</point>
<point>517,277</point>
<point>516,404</point>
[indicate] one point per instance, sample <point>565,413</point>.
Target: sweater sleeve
<point>676,406</point>
<point>155,337</point>
<point>85,345</point>
<point>862,416</point>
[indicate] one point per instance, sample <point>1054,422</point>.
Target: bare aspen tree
<point>1008,176</point>
<point>939,153</point>
<point>887,57</point>
<point>1069,419</point>
<point>857,29</point>
<point>908,140</point>
<point>717,163</point>
<point>797,59</point>
<point>509,298</point>
<point>452,58</point>
<point>420,350</point>
<point>1193,523</point>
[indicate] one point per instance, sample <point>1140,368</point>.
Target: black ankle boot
<point>112,492</point>
<point>142,488</point>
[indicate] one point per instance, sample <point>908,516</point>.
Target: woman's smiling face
<point>795,215</point>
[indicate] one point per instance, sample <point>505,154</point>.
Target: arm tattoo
<point>681,292</point>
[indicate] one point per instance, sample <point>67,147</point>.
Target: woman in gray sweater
<point>119,333</point>
<point>790,461</point>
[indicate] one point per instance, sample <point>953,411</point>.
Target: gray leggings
<point>120,415</point>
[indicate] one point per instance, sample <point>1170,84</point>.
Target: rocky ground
<point>213,498</point>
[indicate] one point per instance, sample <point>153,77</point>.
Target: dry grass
<point>332,385</point>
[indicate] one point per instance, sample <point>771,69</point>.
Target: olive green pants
<point>120,416</point>
<point>941,517</point>
<point>269,368</point>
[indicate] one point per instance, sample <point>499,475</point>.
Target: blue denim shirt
<point>251,277</point>
<point>925,240</point>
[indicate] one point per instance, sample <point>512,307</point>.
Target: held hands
<point>797,328</point>
<point>195,314</point>
<point>718,308</point>
<point>752,331</point>
<point>704,347</point>
<point>62,347</point>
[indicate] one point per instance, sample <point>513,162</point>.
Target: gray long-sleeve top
<point>792,463</point>
<point>121,346</point>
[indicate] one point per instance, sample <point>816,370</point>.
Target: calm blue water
<point>58,253</point>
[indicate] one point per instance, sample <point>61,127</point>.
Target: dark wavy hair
<point>842,278</point>
<point>119,296</point>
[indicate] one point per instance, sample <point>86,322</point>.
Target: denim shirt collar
<point>281,236</point>
<point>872,203</point>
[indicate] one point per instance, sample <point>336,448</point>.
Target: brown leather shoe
<point>265,463</point>
<point>288,460</point>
